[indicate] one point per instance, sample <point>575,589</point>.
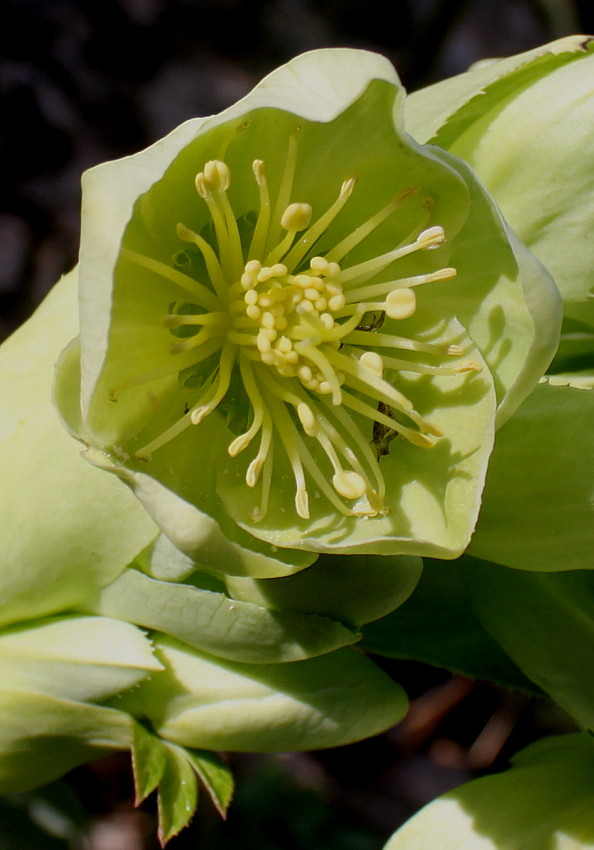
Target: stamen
<point>258,243</point>
<point>311,236</point>
<point>428,239</point>
<point>203,296</point>
<point>213,266</point>
<point>363,230</point>
<point>294,219</point>
<point>286,186</point>
<point>376,289</point>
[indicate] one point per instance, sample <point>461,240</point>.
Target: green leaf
<point>438,625</point>
<point>545,622</point>
<point>543,803</point>
<point>218,625</point>
<point>148,761</point>
<point>178,794</point>
<point>215,775</point>
<point>537,511</point>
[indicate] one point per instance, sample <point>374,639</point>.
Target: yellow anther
<point>320,304</point>
<point>401,303</point>
<point>311,293</point>
<point>327,320</point>
<point>296,217</point>
<point>348,186</point>
<point>284,344</point>
<point>305,307</point>
<point>253,267</point>
<point>432,237</point>
<point>259,170</point>
<point>203,187</point>
<point>349,484</point>
<point>218,175</point>
<point>308,419</point>
<point>372,361</point>
<point>278,270</point>
<point>468,366</point>
<point>267,320</point>
<point>263,343</point>
<point>253,311</point>
<point>336,302</point>
<point>251,297</point>
<point>302,503</point>
<point>319,264</point>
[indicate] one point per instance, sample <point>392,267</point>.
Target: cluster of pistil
<point>292,325</point>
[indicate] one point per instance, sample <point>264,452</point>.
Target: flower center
<point>300,332</point>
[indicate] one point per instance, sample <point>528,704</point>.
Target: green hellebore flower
<point>290,338</point>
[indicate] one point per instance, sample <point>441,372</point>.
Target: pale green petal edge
<point>431,108</point>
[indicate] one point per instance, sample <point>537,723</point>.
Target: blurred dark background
<point>84,81</point>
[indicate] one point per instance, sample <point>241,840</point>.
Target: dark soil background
<point>84,81</point>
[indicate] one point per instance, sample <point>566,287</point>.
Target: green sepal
<point>544,802</point>
<point>148,761</point>
<point>439,626</point>
<point>525,125</point>
<point>177,796</point>
<point>440,113</point>
<point>537,511</point>
<point>159,764</point>
<point>213,623</point>
<point>545,622</point>
<point>215,775</point>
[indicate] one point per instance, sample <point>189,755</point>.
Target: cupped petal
<point>208,703</point>
<point>66,528</point>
